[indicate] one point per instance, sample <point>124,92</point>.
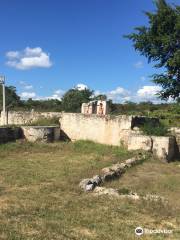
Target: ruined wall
<point>117,130</point>
<point>106,130</point>
<point>176,132</point>
<point>20,118</point>
<point>103,129</point>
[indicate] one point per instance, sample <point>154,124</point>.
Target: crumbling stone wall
<point>117,130</point>
<point>21,117</point>
<point>102,129</point>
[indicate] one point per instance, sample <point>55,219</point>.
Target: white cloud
<point>138,64</point>
<point>81,86</point>
<point>57,94</point>
<point>26,95</point>
<point>118,95</point>
<point>148,91</point>
<point>28,58</point>
<point>28,87</point>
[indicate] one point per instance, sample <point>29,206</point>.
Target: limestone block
<point>131,162</point>
<point>176,132</point>
<point>41,133</point>
<point>137,142</point>
<point>106,191</point>
<point>84,183</point>
<point>164,147</point>
<point>89,184</point>
<point>118,168</point>
<point>96,180</point>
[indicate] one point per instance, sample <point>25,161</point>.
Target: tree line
<point>73,99</point>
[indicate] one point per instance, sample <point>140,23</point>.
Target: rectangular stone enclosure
<point>117,131</point>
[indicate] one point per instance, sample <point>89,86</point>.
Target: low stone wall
<point>27,117</point>
<point>176,132</point>
<point>8,134</point>
<point>117,130</point>
<point>41,133</point>
<point>103,129</point>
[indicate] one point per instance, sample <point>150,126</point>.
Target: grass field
<point>40,198</point>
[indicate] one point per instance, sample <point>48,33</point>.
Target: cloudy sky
<point>50,46</point>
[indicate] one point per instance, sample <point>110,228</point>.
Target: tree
<point>102,97</point>
<point>160,43</point>
<point>73,98</point>
<point>12,99</point>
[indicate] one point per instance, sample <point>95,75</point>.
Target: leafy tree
<point>160,43</point>
<point>42,105</point>
<point>12,99</point>
<point>73,98</point>
<point>102,97</point>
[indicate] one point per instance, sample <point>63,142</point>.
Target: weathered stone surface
<point>131,162</point>
<point>96,180</point>
<point>89,187</point>
<point>106,191</point>
<point>84,183</point>
<point>132,196</point>
<point>89,184</point>
<point>118,168</point>
<point>114,193</point>
<point>176,132</point>
<point>41,133</point>
<point>164,147</point>
<point>105,170</point>
<point>27,117</point>
<point>136,142</point>
<point>112,130</point>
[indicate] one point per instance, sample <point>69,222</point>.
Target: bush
<point>157,130</point>
<point>45,122</point>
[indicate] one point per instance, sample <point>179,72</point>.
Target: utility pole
<point>2,81</point>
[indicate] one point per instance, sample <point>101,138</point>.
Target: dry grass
<point>40,198</point>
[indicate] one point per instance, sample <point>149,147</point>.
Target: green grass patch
<point>40,197</point>
<point>45,122</point>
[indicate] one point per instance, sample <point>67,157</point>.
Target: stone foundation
<point>117,130</point>
<point>41,133</point>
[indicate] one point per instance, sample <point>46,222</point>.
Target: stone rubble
<point>99,191</point>
<point>90,183</point>
<point>108,174</point>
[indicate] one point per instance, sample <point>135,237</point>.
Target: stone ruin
<point>96,125</point>
<point>98,107</point>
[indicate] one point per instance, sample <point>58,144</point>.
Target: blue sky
<point>49,46</point>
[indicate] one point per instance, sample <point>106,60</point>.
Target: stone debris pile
<point>113,172</point>
<point>109,173</point>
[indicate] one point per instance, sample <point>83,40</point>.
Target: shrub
<point>45,122</point>
<point>157,130</point>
